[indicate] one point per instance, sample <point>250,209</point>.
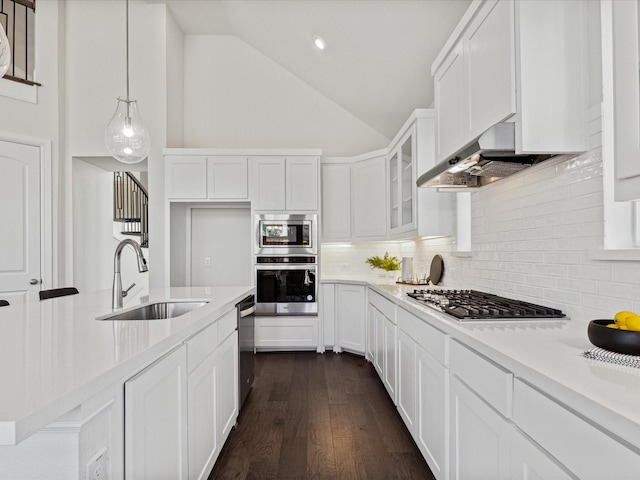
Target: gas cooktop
<point>472,305</point>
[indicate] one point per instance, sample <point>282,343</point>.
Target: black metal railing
<point>18,20</point>
<point>131,206</point>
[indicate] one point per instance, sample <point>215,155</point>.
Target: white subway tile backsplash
<point>531,237</point>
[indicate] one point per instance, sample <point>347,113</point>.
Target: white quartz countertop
<point>547,354</point>
<point>55,354</point>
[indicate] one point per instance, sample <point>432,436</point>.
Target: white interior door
<point>20,274</point>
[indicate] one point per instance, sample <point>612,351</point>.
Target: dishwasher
<point>246,346</point>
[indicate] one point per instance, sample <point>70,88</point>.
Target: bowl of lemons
<point>621,335</point>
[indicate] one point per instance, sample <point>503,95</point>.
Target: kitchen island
<point>64,371</point>
<point>514,397</point>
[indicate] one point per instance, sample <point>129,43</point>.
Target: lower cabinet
<point>351,311</point>
<point>156,419</point>
<point>432,412</point>
<point>286,333</point>
<point>227,384</point>
<point>479,442</point>
<point>528,460</point>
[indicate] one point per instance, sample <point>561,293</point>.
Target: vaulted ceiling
<point>378,61</point>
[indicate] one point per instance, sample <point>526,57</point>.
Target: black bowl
<point>613,339</point>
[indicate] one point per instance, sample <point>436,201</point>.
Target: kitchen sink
<point>156,311</point>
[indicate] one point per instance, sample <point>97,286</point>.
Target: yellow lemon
<point>633,322</point>
<point>621,317</point>
<point>612,325</point>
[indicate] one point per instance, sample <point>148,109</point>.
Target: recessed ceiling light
<point>319,42</point>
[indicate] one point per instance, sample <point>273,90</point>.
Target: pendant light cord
<point>127,43</point>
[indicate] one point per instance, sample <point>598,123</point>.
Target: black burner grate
<point>472,304</point>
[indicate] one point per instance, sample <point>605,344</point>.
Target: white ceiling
<point>378,61</point>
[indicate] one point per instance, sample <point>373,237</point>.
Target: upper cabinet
<point>621,85</point>
<point>195,177</point>
<point>374,196</point>
<point>503,62</point>
<point>413,211</point>
<point>284,183</point>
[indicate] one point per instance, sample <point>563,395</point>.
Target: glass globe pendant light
<point>126,137</point>
<point>5,52</point>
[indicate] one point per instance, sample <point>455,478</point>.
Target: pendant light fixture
<point>126,137</point>
<point>5,52</point>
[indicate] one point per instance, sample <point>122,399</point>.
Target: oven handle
<point>287,266</point>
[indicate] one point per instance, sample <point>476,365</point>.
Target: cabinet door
<point>432,412</point>
<point>227,178</point>
<point>371,334</point>
<point>490,66</point>
<point>390,362</point>
<point>368,193</point>
<point>302,183</point>
<point>379,348</point>
<point>336,202</point>
<point>479,442</point>
<point>156,419</point>
<point>328,311</point>
<point>268,183</point>
<point>450,102</point>
<point>351,317</point>
<point>407,380</point>
<point>227,385</point>
<point>394,192</point>
<point>186,177</point>
<point>623,89</point>
<point>407,181</point>
<point>528,461</point>
<point>203,442</point>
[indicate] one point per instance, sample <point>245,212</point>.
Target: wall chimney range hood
<point>489,158</point>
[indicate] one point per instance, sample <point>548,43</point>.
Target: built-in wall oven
<point>284,234</point>
<point>286,285</point>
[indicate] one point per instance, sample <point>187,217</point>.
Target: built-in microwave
<point>281,234</point>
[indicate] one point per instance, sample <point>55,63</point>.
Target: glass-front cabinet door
<point>402,185</point>
<point>394,192</point>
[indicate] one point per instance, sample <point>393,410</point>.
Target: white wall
<point>96,76</point>
<point>235,97</point>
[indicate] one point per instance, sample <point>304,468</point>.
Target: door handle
<point>34,281</point>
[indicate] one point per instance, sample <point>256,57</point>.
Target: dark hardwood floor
<point>322,417</point>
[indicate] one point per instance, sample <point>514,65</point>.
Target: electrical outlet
<point>207,261</point>
<point>97,466</point>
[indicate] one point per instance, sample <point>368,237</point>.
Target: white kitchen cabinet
<point>351,313</point>
<point>621,84</point>
<point>500,64</point>
<point>528,460</point>
<point>402,188</point>
<point>423,388</point>
<point>227,178</point>
<point>371,333</point>
<point>585,449</point>
<point>156,419</point>
<point>287,332</point>
<point>328,313</point>
<point>227,386</point>
<point>407,380</point>
<point>268,181</point>
<point>369,198</point>
<point>450,99</point>
<point>284,183</point>
<point>203,439</point>
<point>336,201</point>
<point>199,177</point>
<point>431,416</point>
<point>186,177</point>
<point>479,436</point>
<point>385,339</point>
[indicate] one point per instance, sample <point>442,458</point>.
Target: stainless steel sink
<point>156,311</point>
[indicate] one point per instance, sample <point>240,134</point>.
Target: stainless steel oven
<point>286,285</point>
<point>282,234</point>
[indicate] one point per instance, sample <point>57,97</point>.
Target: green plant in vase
<point>386,263</point>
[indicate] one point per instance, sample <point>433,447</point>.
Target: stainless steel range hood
<point>491,157</point>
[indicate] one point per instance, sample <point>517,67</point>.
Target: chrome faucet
<point>118,293</point>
